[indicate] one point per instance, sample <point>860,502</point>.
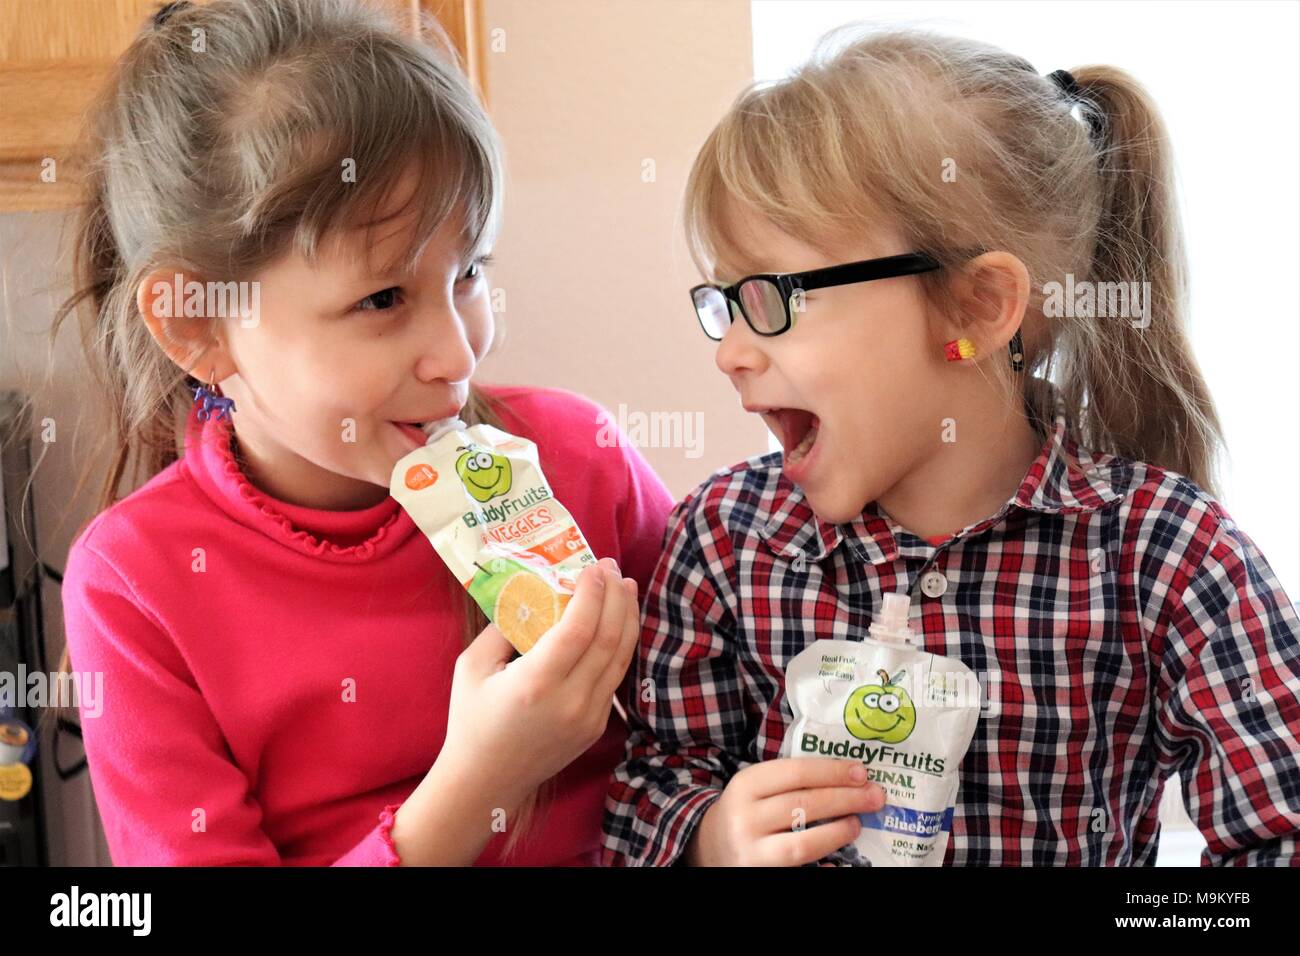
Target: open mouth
<point>413,431</point>
<point>419,430</point>
<point>796,427</point>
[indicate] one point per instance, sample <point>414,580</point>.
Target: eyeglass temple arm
<point>901,265</point>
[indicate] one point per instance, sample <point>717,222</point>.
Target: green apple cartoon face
<point>484,474</point>
<point>881,711</point>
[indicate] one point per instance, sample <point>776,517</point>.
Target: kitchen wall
<point>602,106</point>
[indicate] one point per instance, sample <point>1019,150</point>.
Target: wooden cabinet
<point>54,55</point>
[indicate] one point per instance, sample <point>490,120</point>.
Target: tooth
<point>805,444</point>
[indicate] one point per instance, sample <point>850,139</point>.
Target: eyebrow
<point>407,273</point>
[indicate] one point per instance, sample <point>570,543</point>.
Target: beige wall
<point>591,261</point>
<point>591,257</point>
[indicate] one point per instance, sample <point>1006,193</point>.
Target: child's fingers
<point>605,643</point>
<point>795,848</point>
<point>555,654</point>
<point>488,652</point>
<point>618,664</point>
<point>770,777</point>
<point>802,808</point>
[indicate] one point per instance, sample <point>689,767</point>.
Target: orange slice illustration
<point>526,608</point>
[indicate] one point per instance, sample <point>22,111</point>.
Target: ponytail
<point>1135,381</point>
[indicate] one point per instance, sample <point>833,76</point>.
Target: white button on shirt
<point>933,584</point>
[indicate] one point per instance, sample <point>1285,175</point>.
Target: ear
<point>992,291</point>
<point>171,302</point>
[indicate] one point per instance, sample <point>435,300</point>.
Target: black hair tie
<point>1065,81</point>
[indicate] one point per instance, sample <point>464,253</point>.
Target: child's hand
<point>513,724</point>
<point>754,822</point>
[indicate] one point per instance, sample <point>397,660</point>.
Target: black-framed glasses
<point>768,301</point>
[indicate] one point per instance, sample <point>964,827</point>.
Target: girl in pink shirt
<point>298,214</point>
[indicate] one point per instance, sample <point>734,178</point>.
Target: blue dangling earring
<point>209,397</point>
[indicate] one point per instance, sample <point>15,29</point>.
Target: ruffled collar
<point>341,536</point>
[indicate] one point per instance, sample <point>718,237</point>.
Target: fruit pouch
<point>907,714</point>
<point>479,495</point>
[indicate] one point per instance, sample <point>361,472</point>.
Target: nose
<point>741,351</point>
<point>449,352</point>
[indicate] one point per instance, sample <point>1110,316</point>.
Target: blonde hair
<point>222,160</point>
<point>864,133</point>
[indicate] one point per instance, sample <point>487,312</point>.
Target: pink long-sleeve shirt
<point>229,628</point>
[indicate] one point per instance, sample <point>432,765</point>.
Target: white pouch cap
<point>436,430</point>
<point>891,624</point>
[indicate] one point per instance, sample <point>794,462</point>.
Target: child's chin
<point>834,506</point>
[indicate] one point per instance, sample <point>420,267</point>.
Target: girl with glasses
<point>884,236</point>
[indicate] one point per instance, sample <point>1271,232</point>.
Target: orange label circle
<point>15,781</point>
<point>420,476</point>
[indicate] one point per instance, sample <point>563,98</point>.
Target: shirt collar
<point>337,536</point>
<point>1053,485</point>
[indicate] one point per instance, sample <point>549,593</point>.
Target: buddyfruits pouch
<point>479,495</point>
<point>905,713</point>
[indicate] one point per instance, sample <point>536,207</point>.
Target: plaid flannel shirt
<point>1122,627</point>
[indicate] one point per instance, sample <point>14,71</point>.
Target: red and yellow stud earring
<point>959,349</point>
